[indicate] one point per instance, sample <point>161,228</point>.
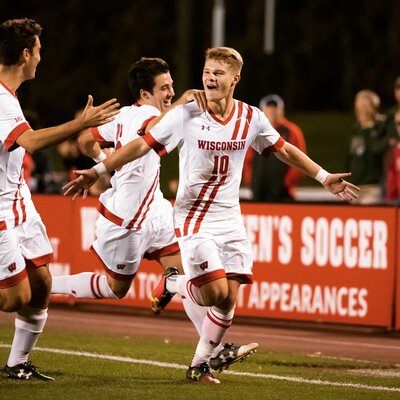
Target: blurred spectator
<point>393,171</point>
<point>270,179</point>
<point>390,124</point>
<point>37,167</point>
<point>368,144</point>
<point>73,159</point>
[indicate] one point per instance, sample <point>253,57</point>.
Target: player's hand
<point>99,115</point>
<point>199,96</point>
<point>80,185</point>
<point>342,189</point>
<point>108,151</point>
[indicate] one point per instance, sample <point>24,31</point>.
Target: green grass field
<point>91,366</point>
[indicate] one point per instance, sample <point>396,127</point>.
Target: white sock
<point>182,285</point>
<point>195,312</point>
<point>214,329</point>
<point>86,285</point>
<point>29,323</point>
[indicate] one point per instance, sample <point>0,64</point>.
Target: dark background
<point>325,50</point>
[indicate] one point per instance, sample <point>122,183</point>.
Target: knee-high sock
<point>214,329</point>
<point>195,312</point>
<point>182,285</point>
<point>29,323</point>
<point>86,285</point>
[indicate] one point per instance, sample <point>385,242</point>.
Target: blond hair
<point>226,55</point>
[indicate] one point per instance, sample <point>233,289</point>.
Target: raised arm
<point>91,116</point>
<point>334,183</point>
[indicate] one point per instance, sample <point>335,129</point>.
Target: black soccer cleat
<point>160,297</point>
<point>25,371</point>
<point>231,354</point>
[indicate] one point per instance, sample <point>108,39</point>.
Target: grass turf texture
<point>80,377</point>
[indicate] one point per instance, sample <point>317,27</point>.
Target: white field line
<point>247,374</point>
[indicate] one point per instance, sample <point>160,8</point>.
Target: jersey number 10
<point>220,165</point>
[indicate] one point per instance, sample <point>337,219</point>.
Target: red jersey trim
<point>209,277</point>
<point>39,261</point>
<point>97,135</point>
<point>101,208</point>
<point>208,204</point>
<point>8,89</point>
<point>165,251</point>
<point>229,117</point>
<point>11,140</point>
<point>151,191</point>
<point>272,149</point>
<point>197,203</point>
<point>142,130</point>
<point>13,280</point>
<point>156,146</point>
<point>247,123</point>
<point>238,119</point>
<point>3,226</point>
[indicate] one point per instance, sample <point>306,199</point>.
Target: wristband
<point>321,175</point>
<point>100,169</point>
<point>102,156</point>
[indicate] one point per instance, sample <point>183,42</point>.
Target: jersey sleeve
<point>12,122</point>
<point>166,135</point>
<point>105,133</point>
<point>267,140</point>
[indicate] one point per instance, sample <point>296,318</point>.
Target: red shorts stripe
<point>3,226</point>
<point>165,251</point>
<point>209,277</point>
<point>114,275</point>
<point>13,280</point>
<point>39,261</point>
<point>242,278</point>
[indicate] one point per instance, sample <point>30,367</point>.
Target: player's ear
<point>236,79</point>
<point>144,94</point>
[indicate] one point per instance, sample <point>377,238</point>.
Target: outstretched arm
<point>87,177</point>
<point>334,183</point>
<point>91,116</point>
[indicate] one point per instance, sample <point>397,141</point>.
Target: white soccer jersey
<point>211,156</point>
<point>135,190</point>
<point>15,198</point>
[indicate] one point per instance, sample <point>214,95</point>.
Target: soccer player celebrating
<point>212,144</point>
<point>25,249</point>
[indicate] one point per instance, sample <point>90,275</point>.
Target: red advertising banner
<point>330,263</point>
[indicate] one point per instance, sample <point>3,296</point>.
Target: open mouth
<point>211,87</point>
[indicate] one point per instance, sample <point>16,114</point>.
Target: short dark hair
<point>15,36</point>
<point>141,74</point>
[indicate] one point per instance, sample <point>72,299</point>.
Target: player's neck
<point>10,77</point>
<point>222,108</point>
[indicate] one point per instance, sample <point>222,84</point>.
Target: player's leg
<point>119,251</point>
<point>15,290</point>
<point>161,296</point>
<point>31,318</point>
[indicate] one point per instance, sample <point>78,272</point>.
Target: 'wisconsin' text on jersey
<point>231,145</point>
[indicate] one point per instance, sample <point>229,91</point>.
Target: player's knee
<point>120,289</point>
<point>15,302</point>
<point>215,292</point>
